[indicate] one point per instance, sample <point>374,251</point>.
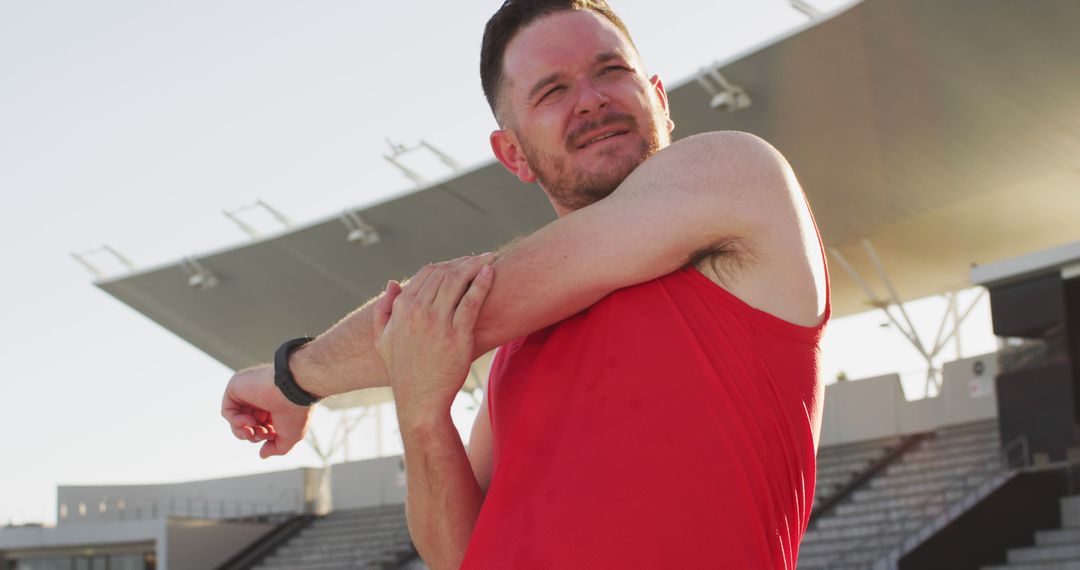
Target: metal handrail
<point>957,485</point>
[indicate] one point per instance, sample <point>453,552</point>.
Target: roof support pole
<point>959,321</point>
<point>874,299</point>
<point>933,374</point>
<point>950,309</point>
<point>872,254</point>
<point>956,337</point>
<point>806,8</point>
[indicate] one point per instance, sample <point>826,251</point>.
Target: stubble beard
<point>576,188</point>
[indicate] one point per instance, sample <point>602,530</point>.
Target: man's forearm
<point>443,498</point>
<point>342,359</point>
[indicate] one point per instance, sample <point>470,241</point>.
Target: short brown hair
<point>511,18</point>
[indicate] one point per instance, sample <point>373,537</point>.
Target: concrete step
<point>1057,536</point>
<point>981,426</point>
<point>306,541</point>
<point>910,503</point>
<point>365,544</point>
<point>825,550</point>
<point>306,559</point>
<point>937,448</point>
<point>380,526</point>
<point>834,480</point>
<point>375,564</point>
<point>975,462</point>
<point>356,527</point>
<point>868,454</point>
<point>926,486</point>
<point>843,469</point>
<point>865,529</point>
<point>844,448</point>
<point>918,477</point>
<point>874,517</point>
<point>1071,564</point>
<point>853,555</point>
<point>1040,554</point>
<point>1070,512</point>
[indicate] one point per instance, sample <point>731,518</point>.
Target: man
<point>656,400</point>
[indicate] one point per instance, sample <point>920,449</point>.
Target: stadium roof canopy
<point>945,133</point>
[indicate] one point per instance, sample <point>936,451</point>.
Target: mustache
<point>621,119</point>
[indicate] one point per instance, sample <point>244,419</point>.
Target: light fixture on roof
<point>198,276</point>
<point>725,96</point>
<point>806,8</point>
<point>359,231</point>
<point>258,204</point>
<point>82,256</point>
<point>399,150</point>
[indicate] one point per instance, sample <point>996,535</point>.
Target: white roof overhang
<point>946,133</point>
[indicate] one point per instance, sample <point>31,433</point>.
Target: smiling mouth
<point>602,137</point>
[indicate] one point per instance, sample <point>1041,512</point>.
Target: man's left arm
<point>424,337</point>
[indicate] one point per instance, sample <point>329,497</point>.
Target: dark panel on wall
<point>1037,403</point>
<point>1008,518</point>
<point>1072,335</point>
<point>1030,308</point>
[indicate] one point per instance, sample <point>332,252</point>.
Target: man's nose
<point>590,99</point>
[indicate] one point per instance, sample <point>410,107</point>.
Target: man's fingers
<point>457,283</point>
<point>426,295</point>
<point>469,307</point>
<point>414,283</point>
<point>277,446</point>
<point>384,307</point>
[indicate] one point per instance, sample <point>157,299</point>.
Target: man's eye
<point>550,91</point>
<point>614,68</point>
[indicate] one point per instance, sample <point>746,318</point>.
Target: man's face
<point>577,105</point>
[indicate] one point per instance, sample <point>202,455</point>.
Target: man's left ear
<point>661,95</point>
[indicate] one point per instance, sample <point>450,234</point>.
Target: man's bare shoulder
<point>719,168</point>
<point>772,260</point>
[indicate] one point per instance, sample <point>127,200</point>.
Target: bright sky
<point>134,124</point>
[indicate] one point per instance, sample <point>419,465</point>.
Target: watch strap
<point>283,376</point>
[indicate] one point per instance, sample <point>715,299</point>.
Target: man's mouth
<point>602,136</point>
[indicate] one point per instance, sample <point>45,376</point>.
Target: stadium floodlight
<point>198,276</point>
<point>724,95</point>
<point>258,204</point>
<point>359,231</point>
<point>806,8</point>
<point>82,256</point>
<point>397,150</point>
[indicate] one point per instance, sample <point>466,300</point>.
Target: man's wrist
<point>305,369</point>
<point>419,422</point>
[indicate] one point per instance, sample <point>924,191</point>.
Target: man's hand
<point>424,333</point>
<point>424,336</point>
<point>257,411</point>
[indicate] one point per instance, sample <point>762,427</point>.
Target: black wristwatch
<point>283,377</point>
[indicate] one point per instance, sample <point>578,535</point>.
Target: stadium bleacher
<point>356,539</point>
<point>915,488</point>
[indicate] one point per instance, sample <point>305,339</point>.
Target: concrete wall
<point>875,407</point>
<point>368,483</point>
<point>198,545</point>
<point>280,492</point>
<point>861,409</point>
<point>177,544</point>
<point>128,532</point>
<point>969,388</point>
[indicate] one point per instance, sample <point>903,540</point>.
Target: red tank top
<point>670,425</point>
